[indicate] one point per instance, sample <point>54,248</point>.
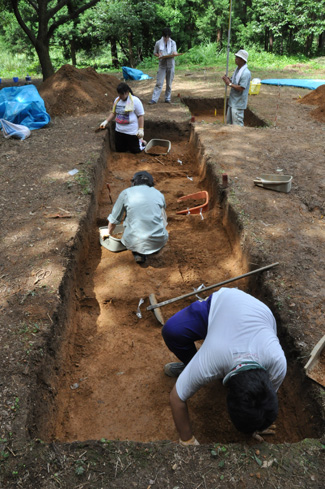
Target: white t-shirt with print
<point>240,328</point>
<point>127,122</point>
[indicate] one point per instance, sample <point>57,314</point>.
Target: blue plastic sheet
<point>134,74</point>
<point>291,82</point>
<point>23,105</point>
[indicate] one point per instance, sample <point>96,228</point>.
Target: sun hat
<point>242,54</point>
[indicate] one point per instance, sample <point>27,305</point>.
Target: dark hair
<point>252,401</point>
<point>142,178</point>
<point>166,32</point>
<point>123,88</point>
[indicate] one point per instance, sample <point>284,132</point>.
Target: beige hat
<point>242,54</point>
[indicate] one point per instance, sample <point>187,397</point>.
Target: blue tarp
<point>23,105</point>
<point>290,82</point>
<point>133,74</point>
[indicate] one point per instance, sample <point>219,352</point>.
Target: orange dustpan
<point>199,208</point>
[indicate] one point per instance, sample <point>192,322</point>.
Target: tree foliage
<point>129,28</point>
<point>39,20</point>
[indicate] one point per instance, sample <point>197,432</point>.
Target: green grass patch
<point>200,57</point>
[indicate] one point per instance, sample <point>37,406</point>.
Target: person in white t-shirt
<point>166,46</point>
<point>128,113</point>
<point>240,346</point>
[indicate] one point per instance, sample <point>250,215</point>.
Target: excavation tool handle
<point>161,304</point>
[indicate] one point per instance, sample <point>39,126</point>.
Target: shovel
<point>154,305</point>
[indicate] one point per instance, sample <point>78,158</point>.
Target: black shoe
<point>152,102</point>
<point>167,102</point>
<point>139,258</point>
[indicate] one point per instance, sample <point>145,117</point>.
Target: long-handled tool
<point>154,304</point>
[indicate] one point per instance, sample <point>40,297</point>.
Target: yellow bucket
<point>254,88</point>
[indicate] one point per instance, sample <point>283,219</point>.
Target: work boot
<point>174,369</point>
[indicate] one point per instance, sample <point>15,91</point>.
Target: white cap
<point>242,54</point>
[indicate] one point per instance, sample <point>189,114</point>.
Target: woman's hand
<point>140,133</point>
<point>103,124</point>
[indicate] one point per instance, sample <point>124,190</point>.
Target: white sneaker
<point>174,369</point>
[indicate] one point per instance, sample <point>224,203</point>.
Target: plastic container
<point>15,79</point>
<point>158,142</point>
<point>279,183</point>
<point>254,86</point>
<point>110,242</point>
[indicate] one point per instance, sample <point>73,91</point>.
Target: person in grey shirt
<point>165,46</point>
<point>239,84</point>
<point>143,208</point>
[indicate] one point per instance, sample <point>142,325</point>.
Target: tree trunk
<point>43,53</point>
<point>114,55</point>
<point>73,52</point>
<point>321,43</point>
<point>308,45</point>
<point>131,59</point>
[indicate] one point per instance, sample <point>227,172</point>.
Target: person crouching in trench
<point>145,220</point>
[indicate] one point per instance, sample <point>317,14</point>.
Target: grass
<point>199,57</point>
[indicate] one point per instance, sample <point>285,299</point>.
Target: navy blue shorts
<point>185,327</point>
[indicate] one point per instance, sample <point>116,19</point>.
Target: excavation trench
<point>211,111</point>
<point>103,376</point>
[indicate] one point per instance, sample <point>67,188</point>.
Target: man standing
<point>240,346</point>
<point>143,208</point>
<point>239,84</point>
<point>164,47</point>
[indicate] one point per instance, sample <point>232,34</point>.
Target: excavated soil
<point>77,363</point>
<point>113,385</point>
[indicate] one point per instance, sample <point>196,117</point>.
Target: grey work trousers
<point>235,116</point>
<point>162,73</point>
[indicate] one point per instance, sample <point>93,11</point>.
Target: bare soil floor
<point>78,364</point>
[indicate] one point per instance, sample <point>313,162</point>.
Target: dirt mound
<point>73,91</point>
<point>316,97</point>
<point>319,113</point>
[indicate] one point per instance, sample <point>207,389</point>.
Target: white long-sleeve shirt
<point>144,221</point>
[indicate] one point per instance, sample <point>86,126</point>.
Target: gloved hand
<point>140,133</point>
<point>269,431</point>
<point>191,441</point>
<point>103,124</point>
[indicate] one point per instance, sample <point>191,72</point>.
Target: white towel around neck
<point>239,73</point>
<point>162,45</point>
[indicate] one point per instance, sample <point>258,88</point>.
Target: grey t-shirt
<point>240,329</point>
<point>172,48</point>
<point>144,221</point>
<point>238,100</point>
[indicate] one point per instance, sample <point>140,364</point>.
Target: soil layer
<point>48,217</point>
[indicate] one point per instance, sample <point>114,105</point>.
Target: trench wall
<point>43,406</point>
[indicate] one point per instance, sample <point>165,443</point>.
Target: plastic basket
<point>254,88</point>
<point>110,242</point>
<point>165,143</point>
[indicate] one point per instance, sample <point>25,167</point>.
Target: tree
<point>39,19</point>
<point>127,24</point>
